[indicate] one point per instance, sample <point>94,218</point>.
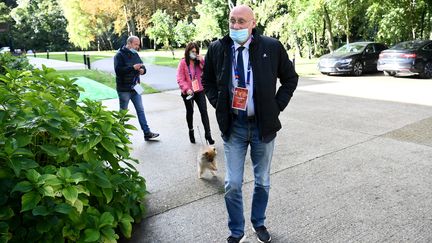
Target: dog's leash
<point>199,133</point>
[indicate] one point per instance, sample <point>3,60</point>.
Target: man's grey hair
<point>131,38</point>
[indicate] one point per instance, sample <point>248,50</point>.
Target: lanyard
<point>190,74</point>
<point>236,72</point>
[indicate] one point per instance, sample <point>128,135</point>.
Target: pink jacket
<point>183,79</point>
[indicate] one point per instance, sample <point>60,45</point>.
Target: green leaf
<point>18,164</point>
<point>82,147</point>
<point>106,219</point>
<point>47,191</point>
<point>22,152</point>
<point>126,227</point>
<point>130,127</point>
<point>63,208</point>
<point>64,173</point>
<point>29,201</point>
<point>77,177</point>
<point>33,176</point>
<point>40,210</point>
<point>52,150</point>
<point>6,213</point>
<point>23,140</point>
<point>91,235</point>
<point>51,180</point>
<point>101,180</point>
<point>4,231</point>
<point>109,234</point>
<point>109,146</point>
<point>78,204</point>
<point>94,140</point>
<point>70,193</point>
<point>23,186</point>
<point>108,192</point>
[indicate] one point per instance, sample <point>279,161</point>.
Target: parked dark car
<point>409,58</point>
<point>354,58</point>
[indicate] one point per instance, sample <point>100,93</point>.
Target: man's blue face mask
<point>239,36</point>
<point>133,50</point>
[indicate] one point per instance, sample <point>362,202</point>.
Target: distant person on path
<point>239,78</point>
<point>128,67</point>
<point>189,79</point>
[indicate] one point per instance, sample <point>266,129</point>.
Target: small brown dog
<point>207,160</point>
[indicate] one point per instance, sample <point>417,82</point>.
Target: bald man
<point>240,77</point>
<point>128,67</point>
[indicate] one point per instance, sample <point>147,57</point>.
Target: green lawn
<point>101,77</point>
<point>161,61</point>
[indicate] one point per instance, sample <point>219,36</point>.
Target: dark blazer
<point>269,61</point>
<point>126,75</point>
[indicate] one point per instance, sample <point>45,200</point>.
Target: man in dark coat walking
<point>128,67</point>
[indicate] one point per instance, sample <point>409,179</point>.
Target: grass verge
<point>101,77</point>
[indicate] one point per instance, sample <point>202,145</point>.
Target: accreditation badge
<point>195,85</point>
<point>240,98</point>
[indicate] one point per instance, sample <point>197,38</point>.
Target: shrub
<point>65,169</point>
<point>13,62</point>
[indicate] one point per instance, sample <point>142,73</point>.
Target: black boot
<point>209,139</point>
<point>191,136</point>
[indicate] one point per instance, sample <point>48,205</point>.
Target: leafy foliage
<point>40,25</point>
<point>65,168</point>
<point>13,62</point>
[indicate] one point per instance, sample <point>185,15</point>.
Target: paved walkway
<point>158,77</point>
<point>348,166</point>
<point>56,64</point>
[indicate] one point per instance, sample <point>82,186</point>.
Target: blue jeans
<point>243,134</point>
<point>124,98</point>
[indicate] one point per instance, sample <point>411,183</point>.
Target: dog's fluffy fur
<point>207,161</point>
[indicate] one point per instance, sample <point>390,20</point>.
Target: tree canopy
<point>310,27</point>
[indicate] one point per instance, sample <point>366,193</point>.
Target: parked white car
<point>5,49</point>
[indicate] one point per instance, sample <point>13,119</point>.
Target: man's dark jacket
<point>269,61</point>
<point>126,75</point>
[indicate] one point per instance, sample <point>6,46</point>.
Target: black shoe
<point>209,139</point>
<point>191,136</point>
<point>150,135</point>
<point>232,239</point>
<point>262,234</point>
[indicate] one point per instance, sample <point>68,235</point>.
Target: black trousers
<point>200,100</point>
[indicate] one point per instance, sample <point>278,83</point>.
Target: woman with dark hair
<point>189,79</point>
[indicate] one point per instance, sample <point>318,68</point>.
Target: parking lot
<point>376,86</point>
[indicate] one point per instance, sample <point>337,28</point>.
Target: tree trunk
<point>315,44</point>
<point>328,29</point>
<point>129,22</point>
<point>347,19</point>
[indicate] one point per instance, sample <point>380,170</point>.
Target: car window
<point>410,45</point>
<point>428,47</point>
<point>370,49</point>
<point>353,47</point>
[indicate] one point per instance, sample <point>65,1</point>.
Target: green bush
<point>13,62</point>
<point>65,167</point>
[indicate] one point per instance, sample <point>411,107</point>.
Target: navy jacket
<point>269,61</point>
<point>126,75</point>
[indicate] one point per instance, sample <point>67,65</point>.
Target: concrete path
<point>56,64</point>
<point>158,77</point>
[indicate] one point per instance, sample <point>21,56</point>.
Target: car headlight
<point>347,60</point>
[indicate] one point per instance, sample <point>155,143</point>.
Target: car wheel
<point>389,73</point>
<point>357,69</point>
<point>427,71</point>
